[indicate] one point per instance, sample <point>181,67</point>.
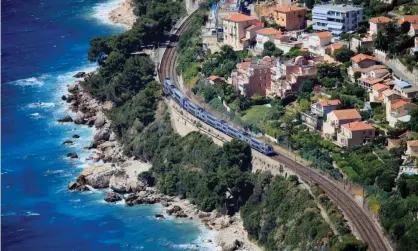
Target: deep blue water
<point>43,44</point>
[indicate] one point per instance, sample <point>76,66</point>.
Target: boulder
<point>99,122</point>
<point>67,142</point>
<point>79,185</point>
<point>159,216</point>
<point>76,136</point>
<point>174,210</point>
<point>63,97</point>
<point>112,197</point>
<point>80,74</point>
<point>98,176</point>
<point>112,136</point>
<point>231,245</point>
<point>72,88</point>
<point>79,118</point>
<point>130,199</point>
<point>118,182</point>
<point>102,134</point>
<point>65,119</point>
<point>106,145</point>
<point>72,155</point>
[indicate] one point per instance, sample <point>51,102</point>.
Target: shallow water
<point>43,44</point>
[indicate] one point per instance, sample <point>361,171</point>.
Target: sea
<point>44,43</point>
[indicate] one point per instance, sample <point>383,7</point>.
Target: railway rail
<point>361,221</point>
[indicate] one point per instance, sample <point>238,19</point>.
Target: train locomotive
<point>206,117</point>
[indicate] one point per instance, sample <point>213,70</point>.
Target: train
<point>198,112</point>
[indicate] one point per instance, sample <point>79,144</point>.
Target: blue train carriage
<point>168,86</point>
<point>178,96</point>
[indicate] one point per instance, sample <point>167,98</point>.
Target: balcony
<point>317,27</point>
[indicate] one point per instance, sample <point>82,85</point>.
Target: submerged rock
<point>76,136</point>
<point>159,216</point>
<point>112,197</point>
<point>67,142</point>
<point>63,97</point>
<point>72,155</point>
<point>65,119</point>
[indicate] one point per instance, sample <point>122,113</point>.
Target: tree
<point>270,49</point>
<point>328,70</point>
<point>405,27</point>
<point>413,122</point>
<point>309,3</point>
<point>343,55</point>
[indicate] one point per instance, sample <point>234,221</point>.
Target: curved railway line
<point>361,221</point>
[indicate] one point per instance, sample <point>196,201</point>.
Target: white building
<point>336,18</point>
<point>265,35</point>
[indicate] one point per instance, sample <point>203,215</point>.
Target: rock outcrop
<point>232,245</point>
<point>65,119</point>
<point>79,118</point>
<point>79,185</point>
<point>112,197</point>
<point>98,176</point>
<point>80,74</point>
<point>72,155</point>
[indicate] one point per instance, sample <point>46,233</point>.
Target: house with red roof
<point>397,110</point>
<point>412,148</point>
<point>355,133</point>
<point>375,95</point>
<point>376,23</point>
<point>234,30</point>
<point>336,118</point>
<point>317,42</point>
<point>264,35</point>
<point>359,63</point>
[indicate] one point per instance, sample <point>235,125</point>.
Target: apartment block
<point>291,17</point>
<point>253,77</point>
<point>336,18</point>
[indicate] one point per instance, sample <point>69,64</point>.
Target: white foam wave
<point>41,105</point>
<point>30,213</point>
<point>101,12</point>
<point>33,81</point>
<point>8,214</point>
<point>35,115</point>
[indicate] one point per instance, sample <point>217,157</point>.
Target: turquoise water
<point>43,44</point>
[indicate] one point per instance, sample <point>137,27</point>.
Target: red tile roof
<point>379,87</point>
<point>213,78</point>
<point>324,34</point>
<point>239,18</point>
<point>371,81</point>
<point>289,8</point>
<point>337,46</point>
<point>398,103</point>
<point>409,18</point>
<point>358,126</point>
<point>268,31</point>
<point>347,114</point>
<point>329,102</point>
<point>360,57</point>
<point>380,20</point>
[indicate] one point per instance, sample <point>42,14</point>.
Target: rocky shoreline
<point>120,173</point>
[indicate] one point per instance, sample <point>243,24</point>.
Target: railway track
<point>363,224</point>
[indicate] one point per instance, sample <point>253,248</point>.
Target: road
<point>360,220</point>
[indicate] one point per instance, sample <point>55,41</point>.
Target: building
<point>234,30</point>
<point>414,48</point>
<point>291,17</point>
<point>287,76</point>
<point>286,2</point>
<point>360,63</point>
<point>264,35</point>
<point>412,19</point>
<point>375,95</point>
<point>317,43</point>
<point>376,23</point>
<point>355,133</point>
<point>337,118</point>
<point>389,95</point>
<point>323,107</point>
<point>405,89</point>
<point>285,42</point>
<point>377,74</point>
<point>412,148</point>
<point>413,30</point>
<point>397,110</point>
<point>336,18</point>
<point>215,79</point>
<point>253,77</point>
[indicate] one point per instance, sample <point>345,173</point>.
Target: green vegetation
<point>222,63</point>
<point>270,49</point>
<point>281,216</point>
